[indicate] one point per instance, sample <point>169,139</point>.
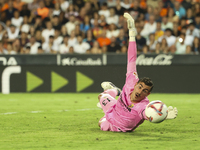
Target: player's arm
<point>132,49</point>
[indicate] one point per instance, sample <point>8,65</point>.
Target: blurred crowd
<point>98,26</point>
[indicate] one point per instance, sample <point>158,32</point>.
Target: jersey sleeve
<point>131,60</point>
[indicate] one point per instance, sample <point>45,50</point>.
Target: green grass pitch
<point>69,121</point>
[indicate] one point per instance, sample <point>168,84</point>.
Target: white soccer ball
<point>156,111</point>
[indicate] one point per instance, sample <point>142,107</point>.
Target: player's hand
<point>172,113</point>
<point>130,21</point>
<point>131,24</point>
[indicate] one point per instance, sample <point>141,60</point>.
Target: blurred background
<point>74,45</point>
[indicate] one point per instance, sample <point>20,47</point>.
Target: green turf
<point>69,121</point>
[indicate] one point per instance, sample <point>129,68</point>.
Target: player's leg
<point>106,101</point>
<point>109,85</point>
<point>109,88</point>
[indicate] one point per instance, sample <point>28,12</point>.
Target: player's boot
<point>110,85</point>
<point>131,25</point>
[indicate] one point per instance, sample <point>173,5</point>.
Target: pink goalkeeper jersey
<point>124,115</point>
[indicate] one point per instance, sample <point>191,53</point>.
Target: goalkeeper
<point>128,112</point>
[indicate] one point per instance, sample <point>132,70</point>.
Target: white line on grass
<point>8,113</point>
<point>36,111</point>
<point>86,109</point>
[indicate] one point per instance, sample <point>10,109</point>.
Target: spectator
<point>122,24</point>
<point>188,50</point>
<point>104,10</point>
<point>165,24</point>
<point>13,33</point>
<point>48,46</point>
<point>17,20</point>
<point>164,48</point>
<point>196,8</point>
<point>113,18</point>
<point>56,23</point>
<point>149,27</point>
<point>25,11</point>
<point>196,45</point>
<point>10,11</point>
<point>169,37</point>
<point>40,50</point>
<point>193,31</point>
<point>189,16</point>
<point>159,32</point>
<point>23,40</point>
<point>72,39</point>
<point>63,5</point>
<point>9,49</point>
<point>89,38</point>
<point>113,46</point>
<point>140,40</point>
<point>71,24</point>
<point>186,4</point>
<point>119,9</point>
<point>162,9</point>
<point>121,39</point>
<point>49,4</point>
<point>81,47</point>
<point>180,46</point>
<point>63,31</point>
<point>86,25</point>
<point>38,23</point>
<point>38,36</point>
<point>2,32</point>
<point>197,21</point>
<point>170,14</point>
<point>95,17</point>
<point>188,38</point>
<point>33,5</point>
<point>64,47</point>
<point>58,39</point>
<point>125,4</point>
<point>18,4</point>
<point>96,30</point>
<point>150,11</point>
<point>71,11</point>
<point>56,10</point>
<point>145,49</point>
<point>113,31</point>
<point>124,49</point>
<point>95,48</point>
<point>151,42</point>
<point>48,31</point>
<point>179,10</point>
<point>136,12</point>
<point>104,49</point>
<point>103,24</point>
<point>157,49</point>
<point>78,31</point>
<point>42,10</point>
<point>176,32</point>
<point>33,45</point>
<point>103,40</point>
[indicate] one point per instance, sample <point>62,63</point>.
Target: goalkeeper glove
<point>172,113</point>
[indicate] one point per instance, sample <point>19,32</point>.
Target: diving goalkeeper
<point>128,112</point>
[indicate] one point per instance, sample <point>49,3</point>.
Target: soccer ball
<point>156,111</point>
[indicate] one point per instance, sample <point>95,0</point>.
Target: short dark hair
<point>147,81</point>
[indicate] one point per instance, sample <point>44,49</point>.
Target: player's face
<point>140,91</point>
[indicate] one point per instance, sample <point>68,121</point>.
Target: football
<point>156,111</point>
